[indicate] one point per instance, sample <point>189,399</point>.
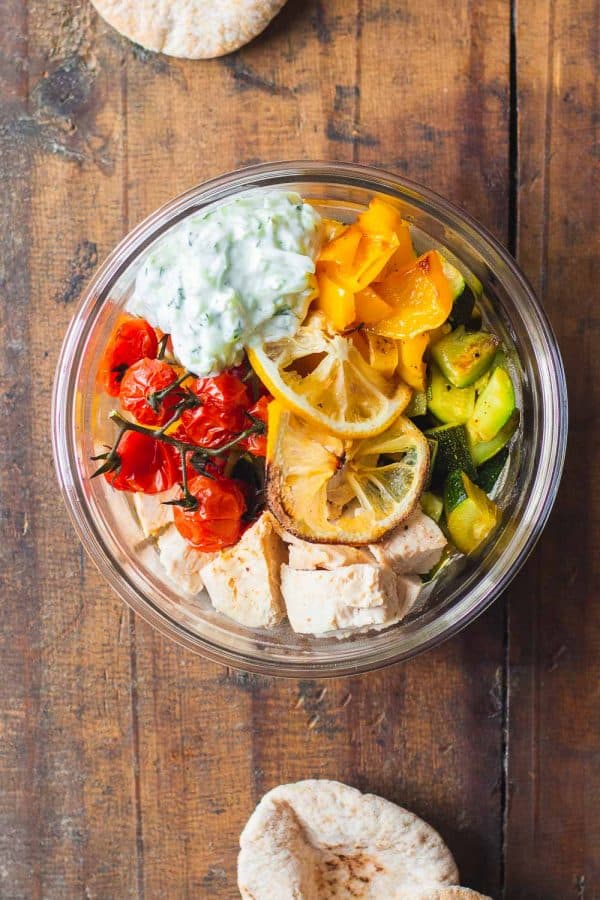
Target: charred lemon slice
<point>324,378</point>
<point>327,489</point>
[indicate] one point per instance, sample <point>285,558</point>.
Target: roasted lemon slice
<point>326,489</point>
<point>326,379</point>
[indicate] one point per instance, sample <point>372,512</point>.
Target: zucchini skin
<point>489,473</point>
<point>462,309</point>
<point>471,516</point>
<point>453,451</point>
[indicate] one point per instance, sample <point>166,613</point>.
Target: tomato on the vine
<point>132,339</point>
<point>224,399</point>
<point>140,381</point>
<point>256,444</point>
<point>225,390</point>
<point>146,465</point>
<point>210,425</point>
<point>217,520</point>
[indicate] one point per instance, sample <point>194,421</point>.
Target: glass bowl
<point>105,521</point>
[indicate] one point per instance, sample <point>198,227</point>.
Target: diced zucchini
<point>489,473</point>
<point>493,408</point>
<point>464,356</point>
<point>462,309</point>
<point>417,405</point>
<point>432,505</point>
<point>481,451</point>
<point>433,452</point>
<point>470,515</point>
<point>447,403</point>
<point>453,450</point>
<point>455,278</point>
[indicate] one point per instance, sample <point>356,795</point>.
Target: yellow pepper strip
<point>371,257</point>
<point>342,250</point>
<point>370,308</point>
<point>420,296</point>
<point>335,300</point>
<point>411,366</point>
<point>380,220</point>
<point>382,354</point>
<point>403,257</point>
<point>332,229</point>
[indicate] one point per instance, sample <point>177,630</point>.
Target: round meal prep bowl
<point>105,520</point>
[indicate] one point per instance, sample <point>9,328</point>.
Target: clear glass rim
<point>478,593</point>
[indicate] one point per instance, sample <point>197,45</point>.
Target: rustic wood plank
<point>67,642</point>
<point>553,826</point>
<point>210,743</point>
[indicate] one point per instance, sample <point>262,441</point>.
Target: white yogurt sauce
<point>231,276</point>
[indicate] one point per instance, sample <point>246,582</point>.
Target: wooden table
<point>129,766</point>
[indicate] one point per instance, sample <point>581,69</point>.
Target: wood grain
<point>553,825</point>
<point>127,766</point>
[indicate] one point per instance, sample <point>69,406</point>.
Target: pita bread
<point>452,893</point>
<point>194,29</point>
<point>320,840</point>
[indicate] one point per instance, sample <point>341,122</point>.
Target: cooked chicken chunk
<point>304,555</point>
<point>352,597</point>
<point>151,511</point>
<point>414,547</point>
<point>182,561</point>
<point>243,581</point>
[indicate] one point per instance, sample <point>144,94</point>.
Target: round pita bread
<point>195,29</point>
<point>453,893</point>
<point>319,840</point>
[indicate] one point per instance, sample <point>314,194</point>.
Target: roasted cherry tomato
<point>143,378</point>
<point>131,340</point>
<point>217,520</point>
<point>256,444</point>
<point>146,465</point>
<point>224,390</point>
<point>211,425</point>
<point>221,416</point>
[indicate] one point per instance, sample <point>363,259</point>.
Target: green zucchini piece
<point>470,515</point>
<point>432,505</point>
<point>417,405</point>
<point>463,356</point>
<point>433,452</point>
<point>462,309</point>
<point>494,407</point>
<point>455,278</point>
<point>489,473</point>
<point>484,450</point>
<point>447,403</point>
<point>453,450</point>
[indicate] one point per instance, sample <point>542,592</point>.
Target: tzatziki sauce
<point>231,276</point>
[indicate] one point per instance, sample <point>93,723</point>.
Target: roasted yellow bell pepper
<point>411,366</point>
<point>332,229</point>
<point>370,308</point>
<point>335,300</point>
<point>420,296</point>
<point>342,249</point>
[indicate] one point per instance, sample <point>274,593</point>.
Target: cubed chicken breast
<point>182,561</point>
<point>359,597</point>
<point>243,581</point>
<point>304,555</point>
<point>414,547</point>
<point>409,587</point>
<point>151,511</point>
